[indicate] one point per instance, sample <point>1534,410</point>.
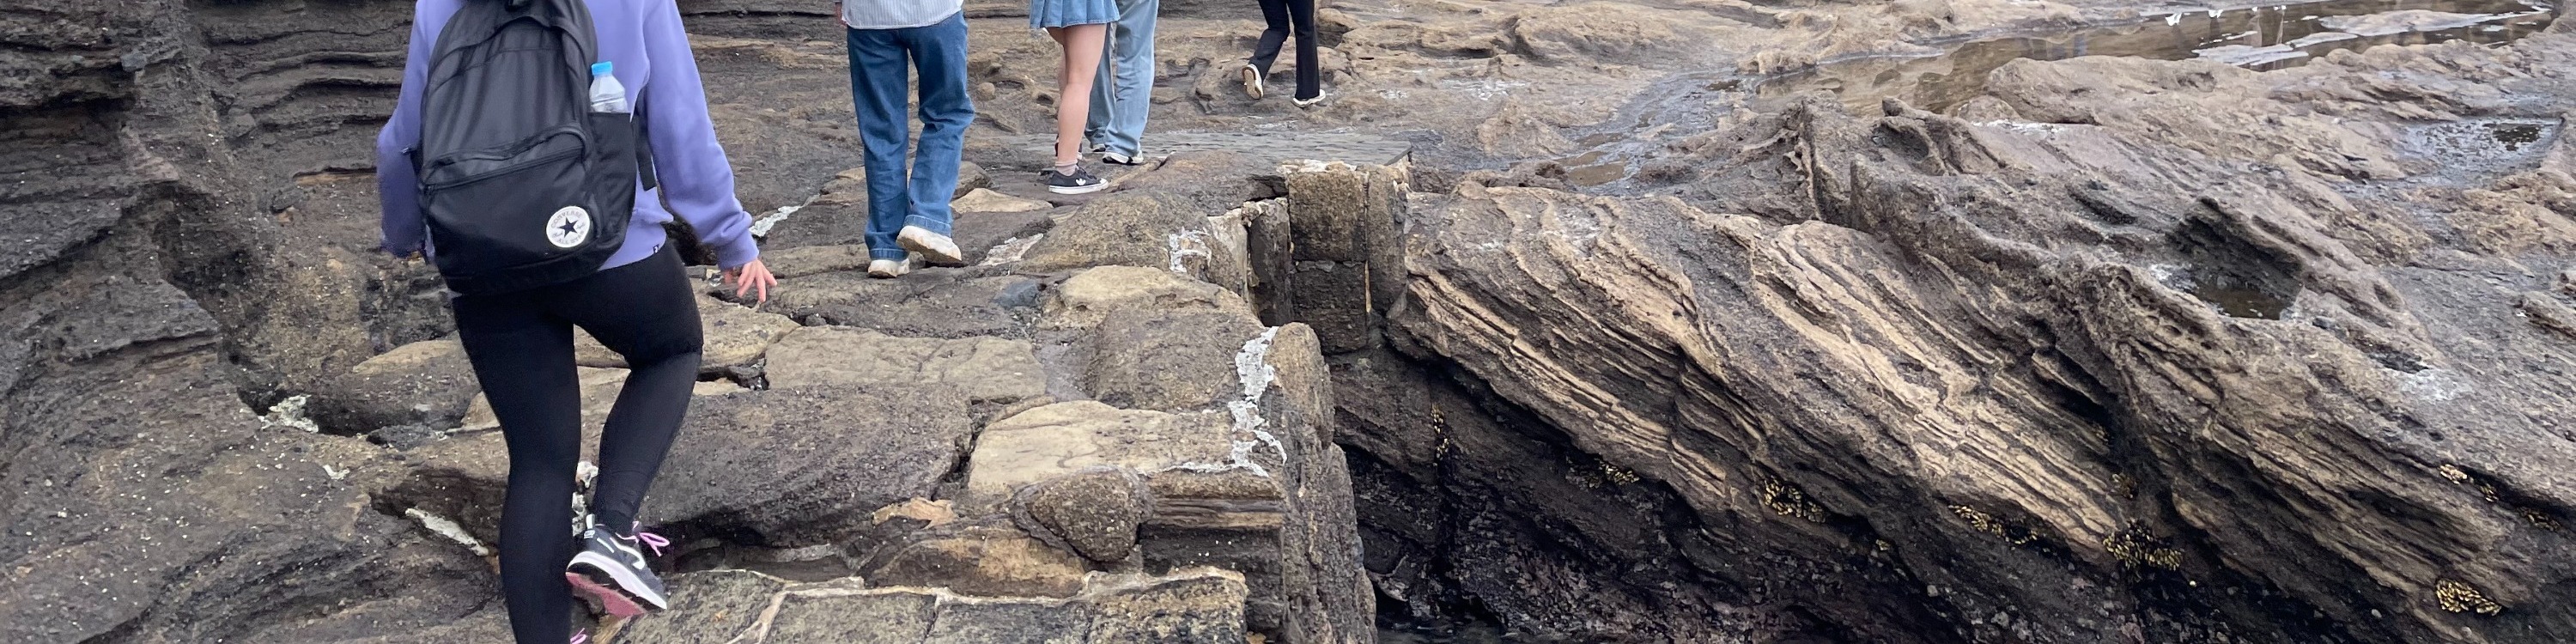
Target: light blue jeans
<point>1125,89</point>
<point>881,65</point>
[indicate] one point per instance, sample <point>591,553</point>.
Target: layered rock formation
<point>2208,355</point>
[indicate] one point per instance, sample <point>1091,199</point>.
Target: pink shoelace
<point>579,637</point>
<point>650,540</point>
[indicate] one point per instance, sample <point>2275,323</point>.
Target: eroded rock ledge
<point>2100,366</point>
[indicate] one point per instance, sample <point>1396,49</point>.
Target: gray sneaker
<point>612,570</point>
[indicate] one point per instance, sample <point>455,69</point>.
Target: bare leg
<point>1083,46</point>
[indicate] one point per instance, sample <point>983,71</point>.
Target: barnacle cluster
<point>2458,597</point>
<point>1618,475</point>
<point>1789,501</point>
<point>2136,547</point>
<point>1979,519</point>
<point>2461,476</point>
<point>1987,523</point>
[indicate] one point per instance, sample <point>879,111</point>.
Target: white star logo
<point>569,227</point>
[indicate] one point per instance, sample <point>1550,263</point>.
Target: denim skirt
<point>1067,13</point>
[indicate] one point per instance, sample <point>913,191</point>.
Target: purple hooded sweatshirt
<point>650,52</point>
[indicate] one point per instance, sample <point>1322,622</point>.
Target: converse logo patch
<point>569,227</point>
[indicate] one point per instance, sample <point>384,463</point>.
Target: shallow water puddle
<point>2450,152</point>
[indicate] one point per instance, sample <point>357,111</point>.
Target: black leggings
<point>521,347</point>
<point>1281,13</point>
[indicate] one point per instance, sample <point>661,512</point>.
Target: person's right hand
<point>751,277</point>
<point>837,15</point>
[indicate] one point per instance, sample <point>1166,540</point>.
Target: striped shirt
<point>897,14</point>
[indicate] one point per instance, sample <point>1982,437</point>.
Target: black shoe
<point>1080,182</point>
<point>615,567</point>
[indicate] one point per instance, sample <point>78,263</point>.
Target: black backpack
<point>522,185</point>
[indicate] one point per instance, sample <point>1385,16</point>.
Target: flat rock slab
<point>1093,513</point>
<point>977,233</point>
<point>428,382</point>
<point>986,369</point>
<point>937,303</point>
<point>789,467</point>
<point>852,617</point>
<point>985,560</point>
<point>1168,360</point>
<point>984,200</point>
<point>821,222</point>
<point>1088,297</point>
<point>735,336</point>
<point>1191,606</point>
<point>803,466</point>
<point>1152,228</point>
<point>707,607</point>
<point>800,261</point>
<point>1065,438</point>
<point>1275,147</point>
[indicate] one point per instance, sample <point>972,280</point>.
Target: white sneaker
<point>886,269</point>
<point>1121,158</point>
<point>1252,82</point>
<point>935,247</point>
<point>1309,102</point>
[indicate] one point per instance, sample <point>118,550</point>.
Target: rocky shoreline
<point>2109,350</point>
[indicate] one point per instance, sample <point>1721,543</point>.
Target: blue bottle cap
<point>601,68</point>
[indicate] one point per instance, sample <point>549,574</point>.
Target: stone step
<point>1195,606</point>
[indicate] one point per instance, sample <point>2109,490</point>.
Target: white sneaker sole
<point>626,580</point>
<point>1252,83</point>
<point>1078,190</point>
<point>938,248</point>
<point>887,269</point>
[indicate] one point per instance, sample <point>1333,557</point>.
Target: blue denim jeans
<point>1125,89</point>
<point>881,62</point>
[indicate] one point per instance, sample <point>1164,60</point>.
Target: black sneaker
<point>1080,182</point>
<point>613,571</point>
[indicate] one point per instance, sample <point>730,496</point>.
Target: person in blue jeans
<point>1126,90</point>
<point>908,215</point>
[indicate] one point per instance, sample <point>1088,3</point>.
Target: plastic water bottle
<point>606,95</point>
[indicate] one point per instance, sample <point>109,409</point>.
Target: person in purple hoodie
<point>639,304</point>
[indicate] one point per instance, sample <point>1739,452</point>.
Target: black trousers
<point>521,347</point>
<point>1285,16</point>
